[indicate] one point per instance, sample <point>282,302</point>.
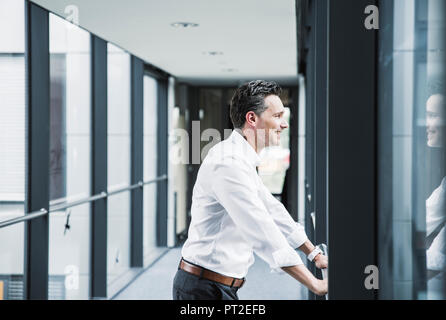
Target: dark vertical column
<point>351,163</point>
<point>137,152</point>
<point>162,165</point>
<point>98,284</point>
<point>192,169</point>
<point>320,121</point>
<point>290,189</point>
<point>226,118</point>
<point>309,43</point>
<point>224,112</point>
<point>385,156</point>
<point>37,175</point>
<point>320,72</point>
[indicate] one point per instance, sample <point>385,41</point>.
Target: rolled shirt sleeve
<point>298,237</point>
<point>293,231</point>
<point>233,188</point>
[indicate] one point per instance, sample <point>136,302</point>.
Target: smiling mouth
<point>431,134</point>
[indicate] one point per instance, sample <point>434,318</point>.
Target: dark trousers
<point>187,286</point>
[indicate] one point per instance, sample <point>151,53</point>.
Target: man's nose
<point>284,124</point>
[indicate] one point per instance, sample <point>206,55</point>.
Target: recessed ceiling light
<point>229,70</point>
<point>184,24</point>
<point>213,53</point>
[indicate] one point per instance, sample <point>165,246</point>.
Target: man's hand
<point>321,261</point>
<point>320,287</point>
<point>304,276</point>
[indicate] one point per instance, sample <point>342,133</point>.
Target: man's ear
<point>251,118</point>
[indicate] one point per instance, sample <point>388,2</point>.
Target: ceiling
<point>254,39</point>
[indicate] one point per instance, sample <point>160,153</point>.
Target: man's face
<point>271,122</point>
<point>435,125</point>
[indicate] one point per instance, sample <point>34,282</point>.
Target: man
<point>234,215</point>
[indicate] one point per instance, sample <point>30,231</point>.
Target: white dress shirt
<point>435,223</point>
<point>234,215</point>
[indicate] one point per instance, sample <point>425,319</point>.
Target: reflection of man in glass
<point>435,204</point>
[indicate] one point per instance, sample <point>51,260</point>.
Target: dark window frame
<point>36,255</point>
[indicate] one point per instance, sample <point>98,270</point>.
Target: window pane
<point>412,147</point>
<point>150,159</point>
<point>12,145</point>
<point>118,206</point>
<point>70,144</point>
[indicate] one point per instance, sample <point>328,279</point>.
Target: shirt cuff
<point>285,257</point>
<point>298,237</point>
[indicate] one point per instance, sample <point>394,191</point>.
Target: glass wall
<point>12,145</point>
<point>69,170</point>
<point>118,166</point>
<point>70,142</point>
<point>412,167</point>
<point>150,168</point>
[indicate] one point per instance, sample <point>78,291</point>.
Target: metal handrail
<point>29,216</point>
<point>59,207</point>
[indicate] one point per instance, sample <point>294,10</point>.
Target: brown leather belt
<point>211,275</point>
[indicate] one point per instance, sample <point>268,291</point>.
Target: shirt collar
<point>246,149</point>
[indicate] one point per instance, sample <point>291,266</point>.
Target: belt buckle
<point>233,281</point>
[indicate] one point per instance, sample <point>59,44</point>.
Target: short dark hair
<point>251,97</point>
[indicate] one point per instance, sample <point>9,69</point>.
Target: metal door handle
<point>313,219</point>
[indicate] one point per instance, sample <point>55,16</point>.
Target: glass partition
<point>150,167</point>
<point>118,127</point>
<point>412,167</point>
<point>70,148</point>
<point>12,145</point>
